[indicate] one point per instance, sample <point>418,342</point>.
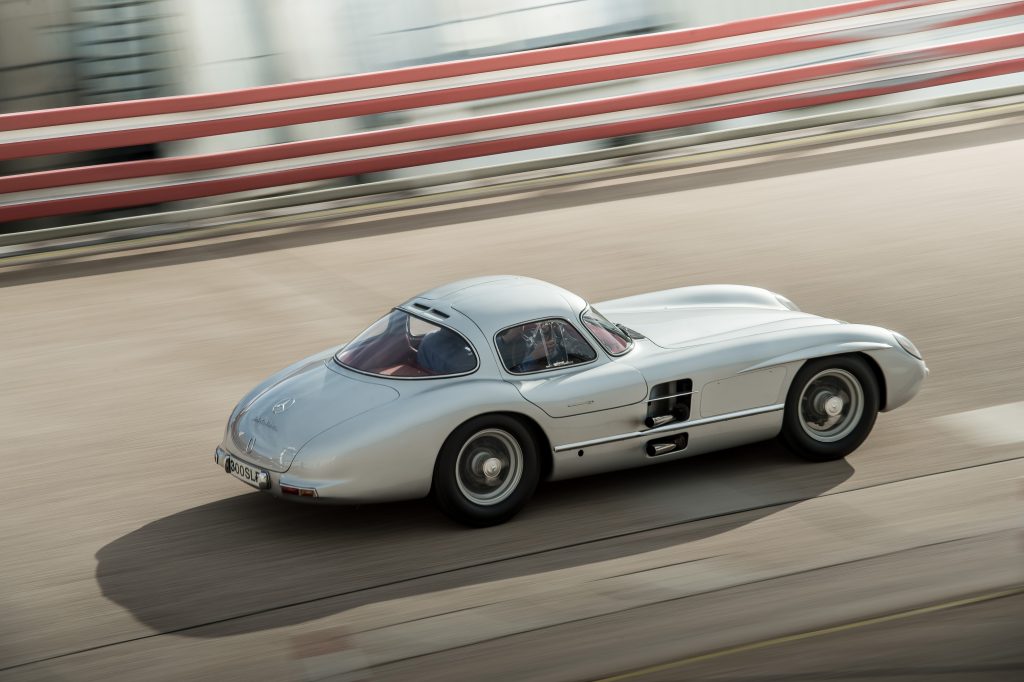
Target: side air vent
<point>667,445</point>
<point>431,311</point>
<point>669,402</point>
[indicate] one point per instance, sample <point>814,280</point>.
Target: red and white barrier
<point>117,185</point>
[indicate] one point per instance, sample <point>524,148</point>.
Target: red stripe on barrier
<point>477,149</point>
<point>413,74</point>
<point>466,93</point>
<point>180,131</point>
<point>188,164</point>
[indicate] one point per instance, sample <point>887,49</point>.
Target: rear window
<point>546,344</point>
<point>404,345</point>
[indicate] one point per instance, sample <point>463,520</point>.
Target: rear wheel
<point>486,471</point>
<point>831,408</point>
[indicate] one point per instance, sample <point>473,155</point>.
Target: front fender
<point>902,373</point>
<point>819,351</point>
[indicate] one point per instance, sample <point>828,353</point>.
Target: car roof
<point>498,301</point>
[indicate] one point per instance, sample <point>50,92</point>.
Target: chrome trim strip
<point>670,428</point>
<point>675,395</point>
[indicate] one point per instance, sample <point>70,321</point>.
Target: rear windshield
<point>403,345</point>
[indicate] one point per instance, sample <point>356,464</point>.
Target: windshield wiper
<point>631,333</point>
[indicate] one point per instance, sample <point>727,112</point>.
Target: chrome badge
<point>283,405</point>
<point>250,445</point>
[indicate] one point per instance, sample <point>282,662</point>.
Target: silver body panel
<point>354,437</point>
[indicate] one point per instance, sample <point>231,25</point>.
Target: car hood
<point>680,326</point>
<point>274,426</point>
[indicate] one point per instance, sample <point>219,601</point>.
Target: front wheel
<point>831,408</point>
<point>486,471</point>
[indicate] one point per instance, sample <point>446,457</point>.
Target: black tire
<point>462,486</point>
<point>806,421</point>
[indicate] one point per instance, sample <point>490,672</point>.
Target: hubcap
<point>834,406</point>
<point>489,467</point>
<point>831,405</point>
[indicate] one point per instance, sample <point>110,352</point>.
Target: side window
<point>419,327</point>
<point>546,344</point>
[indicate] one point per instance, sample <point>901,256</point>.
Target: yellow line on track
<point>671,665</point>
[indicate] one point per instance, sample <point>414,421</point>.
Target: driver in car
<point>444,352</point>
<point>542,345</point>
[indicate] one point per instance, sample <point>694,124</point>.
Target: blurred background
<point>62,53</point>
<point>128,332</point>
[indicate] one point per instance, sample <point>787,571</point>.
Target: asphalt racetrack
<point>126,554</point>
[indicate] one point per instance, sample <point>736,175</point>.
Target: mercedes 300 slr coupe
<point>475,391</point>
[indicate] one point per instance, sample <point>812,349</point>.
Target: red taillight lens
<point>301,492</point>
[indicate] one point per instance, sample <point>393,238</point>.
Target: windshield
<point>403,345</point>
<point>611,338</point>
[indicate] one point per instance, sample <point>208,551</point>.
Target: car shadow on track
<point>251,562</point>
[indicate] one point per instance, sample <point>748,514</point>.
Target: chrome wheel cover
<point>489,467</point>
<point>831,405</point>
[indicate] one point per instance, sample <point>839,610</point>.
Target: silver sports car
<point>475,391</point>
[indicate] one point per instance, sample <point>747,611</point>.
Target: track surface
<point>962,640</point>
<point>124,548</point>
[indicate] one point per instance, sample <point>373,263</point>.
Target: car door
<point>592,388</point>
<point>554,367</point>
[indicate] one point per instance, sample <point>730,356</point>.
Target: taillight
<point>301,492</point>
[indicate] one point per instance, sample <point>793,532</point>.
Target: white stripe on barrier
<point>845,81</point>
<point>808,30</point>
<point>918,71</point>
<point>184,220</point>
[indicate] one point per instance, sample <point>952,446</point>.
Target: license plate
<point>243,472</point>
